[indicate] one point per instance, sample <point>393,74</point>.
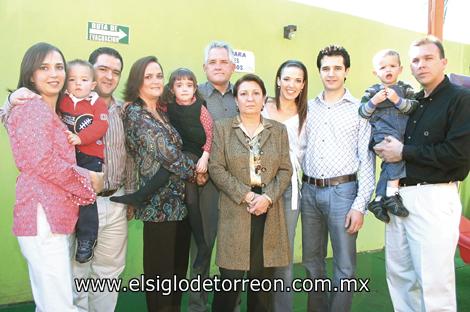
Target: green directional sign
<point>108,32</point>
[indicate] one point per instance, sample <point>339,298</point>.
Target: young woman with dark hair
<point>290,108</point>
<point>50,185</point>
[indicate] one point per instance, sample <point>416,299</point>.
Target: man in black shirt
<point>420,248</point>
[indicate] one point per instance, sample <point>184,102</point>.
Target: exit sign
<point>108,33</point>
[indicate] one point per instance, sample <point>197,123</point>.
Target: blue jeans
<point>389,172</point>
<point>282,301</point>
<point>384,122</point>
<point>324,211</point>
<point>87,223</point>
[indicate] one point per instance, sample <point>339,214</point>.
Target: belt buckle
<point>107,193</point>
<point>324,182</point>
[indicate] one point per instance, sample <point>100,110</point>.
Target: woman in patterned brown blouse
<point>152,142</point>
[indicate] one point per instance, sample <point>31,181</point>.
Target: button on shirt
<point>336,143</point>
<point>254,144</point>
<point>117,168</point>
<point>437,137</point>
<point>218,104</point>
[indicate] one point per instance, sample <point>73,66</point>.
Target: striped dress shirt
<point>117,168</point>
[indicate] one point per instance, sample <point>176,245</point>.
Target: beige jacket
<point>229,170</point>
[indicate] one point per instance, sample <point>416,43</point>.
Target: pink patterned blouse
<point>48,171</point>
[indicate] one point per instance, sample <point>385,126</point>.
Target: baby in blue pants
<point>387,106</point>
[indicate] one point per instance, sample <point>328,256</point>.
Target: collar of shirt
<point>117,105</point>
<point>347,97</point>
<point>92,97</point>
<point>442,84</point>
<point>209,88</point>
<point>264,124</point>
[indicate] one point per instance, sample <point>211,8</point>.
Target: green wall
<point>177,33</point>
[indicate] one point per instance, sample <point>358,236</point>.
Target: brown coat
<point>229,169</point>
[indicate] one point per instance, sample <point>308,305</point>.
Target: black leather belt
<point>257,190</point>
<point>404,183</point>
<point>330,181</point>
<point>107,193</point>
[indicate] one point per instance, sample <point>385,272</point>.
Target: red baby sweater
<point>88,118</point>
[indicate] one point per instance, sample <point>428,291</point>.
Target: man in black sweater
<point>420,248</point>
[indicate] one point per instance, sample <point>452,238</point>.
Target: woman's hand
<point>249,197</point>
<point>202,178</point>
<point>97,181</point>
<point>259,205</point>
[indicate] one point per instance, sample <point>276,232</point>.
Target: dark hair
<point>136,77</point>
<point>81,63</point>
<point>105,50</point>
<point>430,40</point>
<point>334,50</point>
<point>32,60</point>
<point>301,100</point>
<point>178,74</point>
<point>248,78</point>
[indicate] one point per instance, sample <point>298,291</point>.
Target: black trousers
<point>257,301</point>
<point>166,254</point>
<point>87,223</point>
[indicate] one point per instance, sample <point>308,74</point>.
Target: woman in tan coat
<point>250,164</point>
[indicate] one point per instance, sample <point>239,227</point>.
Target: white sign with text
<point>244,61</point>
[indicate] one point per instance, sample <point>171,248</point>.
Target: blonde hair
<point>383,53</point>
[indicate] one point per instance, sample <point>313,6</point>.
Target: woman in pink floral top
<point>50,186</point>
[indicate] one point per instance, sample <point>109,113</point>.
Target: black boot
<point>85,250</point>
<point>394,204</point>
<point>378,210</point>
<point>139,198</point>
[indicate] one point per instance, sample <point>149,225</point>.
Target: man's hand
<point>379,97</point>
<point>72,138</point>
<point>130,212</point>
<point>21,96</point>
<point>389,150</point>
<point>354,221</point>
<point>393,96</point>
<point>97,181</point>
